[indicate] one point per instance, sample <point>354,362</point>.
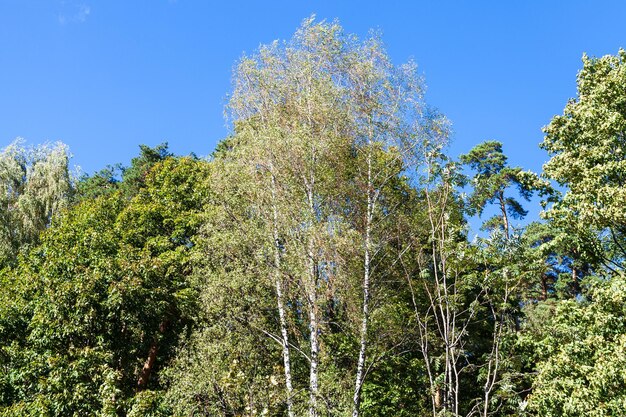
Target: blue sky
<point>106,76</point>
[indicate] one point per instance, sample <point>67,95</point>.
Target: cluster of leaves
<point>578,348</point>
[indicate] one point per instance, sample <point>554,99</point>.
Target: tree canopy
<point>321,261</point>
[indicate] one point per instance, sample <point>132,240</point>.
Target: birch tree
<point>288,112</point>
<point>390,122</point>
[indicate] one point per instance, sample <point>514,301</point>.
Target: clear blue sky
<point>106,76</point>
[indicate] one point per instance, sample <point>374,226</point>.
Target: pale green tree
<point>326,127</point>
<point>35,185</point>
<point>580,349</point>
<point>390,123</point>
<point>292,132</point>
<point>587,144</point>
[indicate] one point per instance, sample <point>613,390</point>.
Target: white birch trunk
<point>313,320</point>
<point>356,400</point>
<point>279,301</point>
<point>313,382</point>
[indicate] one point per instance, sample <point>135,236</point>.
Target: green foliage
<point>102,182</point>
<point>580,354</point>
<point>34,185</point>
<point>493,177</point>
<point>587,146</point>
<point>308,249</point>
<point>135,176</point>
<point>229,365</point>
<point>117,177</point>
<point>109,283</point>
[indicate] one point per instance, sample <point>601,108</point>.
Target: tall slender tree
<point>287,109</point>
<point>390,121</point>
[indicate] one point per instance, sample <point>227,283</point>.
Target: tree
<point>107,295</point>
<point>114,177</point>
<point>292,131</point>
<point>500,263</point>
<point>442,271</point>
<point>229,364</point>
<point>390,124</point>
<point>35,185</point>
<point>326,127</point>
<point>574,346</point>
<point>587,145</point>
<point>492,179</point>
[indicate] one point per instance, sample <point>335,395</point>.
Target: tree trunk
<point>279,301</point>
<point>148,366</point>
<point>505,219</point>
<point>356,399</point>
<point>313,382</point>
<point>313,320</point>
